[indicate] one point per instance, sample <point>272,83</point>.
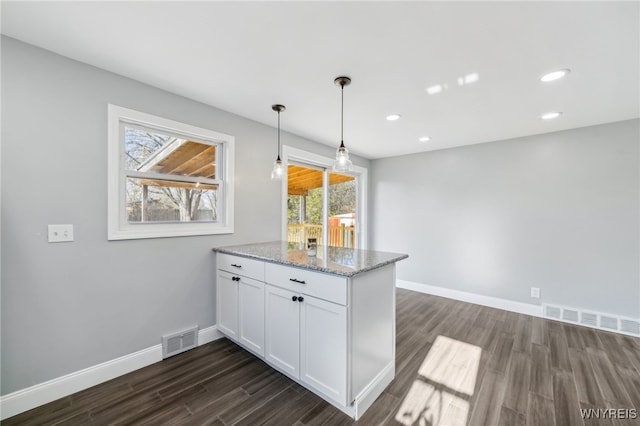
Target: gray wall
<point>68,306</point>
<point>559,211</point>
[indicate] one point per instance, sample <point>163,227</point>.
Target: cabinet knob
<point>294,298</point>
<point>235,278</point>
<point>300,299</point>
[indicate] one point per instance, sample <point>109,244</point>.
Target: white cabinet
<point>333,334</point>
<point>251,314</point>
<point>240,302</point>
<point>323,347</point>
<point>227,304</point>
<point>323,286</point>
<point>282,325</point>
<point>241,265</point>
<point>306,336</point>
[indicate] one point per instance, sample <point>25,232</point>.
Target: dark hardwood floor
<point>456,363</point>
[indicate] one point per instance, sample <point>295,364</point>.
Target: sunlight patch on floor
<point>447,379</point>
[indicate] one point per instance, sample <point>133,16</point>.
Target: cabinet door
<point>282,327</point>
<point>251,314</point>
<point>227,305</point>
<point>323,350</point>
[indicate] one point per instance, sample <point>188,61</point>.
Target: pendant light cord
<point>278,135</point>
<point>342,116</point>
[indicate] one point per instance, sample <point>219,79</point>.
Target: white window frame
<point>118,226</point>
<point>297,155</point>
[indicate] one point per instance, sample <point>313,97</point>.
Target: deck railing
<point>339,236</point>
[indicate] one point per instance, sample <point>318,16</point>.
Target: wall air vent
<point>570,315</point>
<point>608,322</point>
<point>589,318</point>
<point>173,344</point>
<point>630,326</point>
<point>552,311</point>
<point>597,320</point>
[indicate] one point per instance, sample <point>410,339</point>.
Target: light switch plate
<point>535,292</point>
<point>60,233</point>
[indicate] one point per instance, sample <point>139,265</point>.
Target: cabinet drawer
<point>323,286</point>
<point>241,266</point>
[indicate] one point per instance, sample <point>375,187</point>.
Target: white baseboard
<point>43,393</point>
<point>478,299</point>
<point>208,334</point>
<point>373,390</point>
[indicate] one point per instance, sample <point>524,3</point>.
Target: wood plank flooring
<point>457,363</point>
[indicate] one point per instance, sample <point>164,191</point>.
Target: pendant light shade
<point>342,162</point>
<point>278,168</point>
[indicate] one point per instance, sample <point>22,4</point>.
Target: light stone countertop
<point>333,260</point>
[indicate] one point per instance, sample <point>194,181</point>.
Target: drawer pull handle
<point>236,266</point>
<point>297,281</point>
<point>294,298</point>
<point>235,278</point>
<point>300,299</point>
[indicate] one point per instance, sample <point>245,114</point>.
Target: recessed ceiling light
<point>468,79</point>
<point>551,115</point>
<point>393,117</point>
<point>424,139</point>
<point>432,90</point>
<point>471,78</point>
<point>554,75</point>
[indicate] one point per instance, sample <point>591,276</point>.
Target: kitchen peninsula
<point>326,321</point>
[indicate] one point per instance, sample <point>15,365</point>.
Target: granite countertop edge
<point>317,268</point>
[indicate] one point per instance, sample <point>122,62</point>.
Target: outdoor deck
<point>339,236</point>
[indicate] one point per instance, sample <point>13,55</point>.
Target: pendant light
<point>342,162</point>
<point>278,169</point>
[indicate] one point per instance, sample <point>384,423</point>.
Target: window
<point>167,179</point>
<point>322,204</point>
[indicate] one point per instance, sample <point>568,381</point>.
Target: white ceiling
<point>245,56</point>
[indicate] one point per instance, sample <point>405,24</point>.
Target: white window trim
<point>297,155</point>
<point>118,226</point>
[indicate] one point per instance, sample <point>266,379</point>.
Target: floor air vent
<point>593,319</point>
<point>173,344</point>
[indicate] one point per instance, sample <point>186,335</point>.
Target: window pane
<point>342,210</point>
<point>150,151</point>
<point>304,204</point>
<point>169,201</point>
